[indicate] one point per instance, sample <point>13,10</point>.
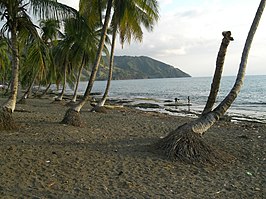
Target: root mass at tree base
<point>189,147</point>
<point>6,121</point>
<point>72,117</point>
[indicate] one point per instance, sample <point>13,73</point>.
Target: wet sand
<point>110,157</point>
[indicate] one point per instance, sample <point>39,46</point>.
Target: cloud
<point>188,35</point>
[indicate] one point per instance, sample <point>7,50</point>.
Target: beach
<point>110,156</point>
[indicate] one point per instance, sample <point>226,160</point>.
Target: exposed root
<point>187,146</point>
<point>6,121</point>
<point>72,117</point>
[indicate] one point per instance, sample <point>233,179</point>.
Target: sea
<point>250,104</point>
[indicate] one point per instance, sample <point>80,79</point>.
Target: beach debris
<point>47,161</point>
<point>249,173</point>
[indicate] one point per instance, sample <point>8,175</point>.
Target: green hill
<point>129,67</point>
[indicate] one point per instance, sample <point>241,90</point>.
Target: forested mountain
<point>129,67</point>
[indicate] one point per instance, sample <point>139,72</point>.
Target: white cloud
<point>188,35</point>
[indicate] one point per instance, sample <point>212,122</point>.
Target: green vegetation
<point>128,67</point>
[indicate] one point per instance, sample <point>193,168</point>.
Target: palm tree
<point>76,48</point>
<point>50,31</point>
<point>218,72</point>
<point>128,17</point>
<point>34,65</point>
<point>185,143</point>
<point>50,34</point>
<point>72,115</point>
<point>15,14</point>
<point>143,12</point>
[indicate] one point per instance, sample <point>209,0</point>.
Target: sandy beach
<point>110,157</point>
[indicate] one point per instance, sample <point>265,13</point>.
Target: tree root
<point>187,146</point>
<point>6,121</point>
<point>72,117</point>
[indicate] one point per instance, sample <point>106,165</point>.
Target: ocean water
<point>250,103</point>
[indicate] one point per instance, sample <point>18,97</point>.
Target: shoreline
<point>109,157</point>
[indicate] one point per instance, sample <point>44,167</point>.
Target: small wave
<point>253,103</point>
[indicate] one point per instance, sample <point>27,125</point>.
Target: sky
<point>189,33</point>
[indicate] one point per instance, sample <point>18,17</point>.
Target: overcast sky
<point>188,35</point>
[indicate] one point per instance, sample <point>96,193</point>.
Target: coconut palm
<point>50,34</point>
<point>15,15</point>
<point>50,31</point>
<point>128,18</point>
<point>146,13</point>
<point>72,115</point>
<point>186,142</point>
<point>34,64</point>
<point>77,47</point>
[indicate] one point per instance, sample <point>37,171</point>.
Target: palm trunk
<point>11,103</point>
<point>72,116</point>
<point>74,99</point>
<point>218,72</point>
<point>185,143</point>
<point>46,90</point>
<point>98,58</point>
<point>111,64</point>
<point>28,91</point>
<point>6,119</point>
<point>60,97</point>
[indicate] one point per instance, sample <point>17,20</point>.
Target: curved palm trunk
<point>28,91</point>
<point>185,143</point>
<point>60,97</point>
<point>98,58</point>
<point>74,99</point>
<point>110,74</point>
<point>6,119</point>
<point>72,116</point>
<point>218,72</point>
<point>11,103</point>
<point>46,90</point>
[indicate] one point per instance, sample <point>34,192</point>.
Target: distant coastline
<point>133,67</point>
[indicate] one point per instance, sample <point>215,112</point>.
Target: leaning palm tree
<point>14,13</point>
<point>128,18</point>
<point>72,116</point>
<point>186,142</point>
<point>34,65</point>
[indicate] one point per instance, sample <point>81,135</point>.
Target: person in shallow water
<point>176,101</point>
